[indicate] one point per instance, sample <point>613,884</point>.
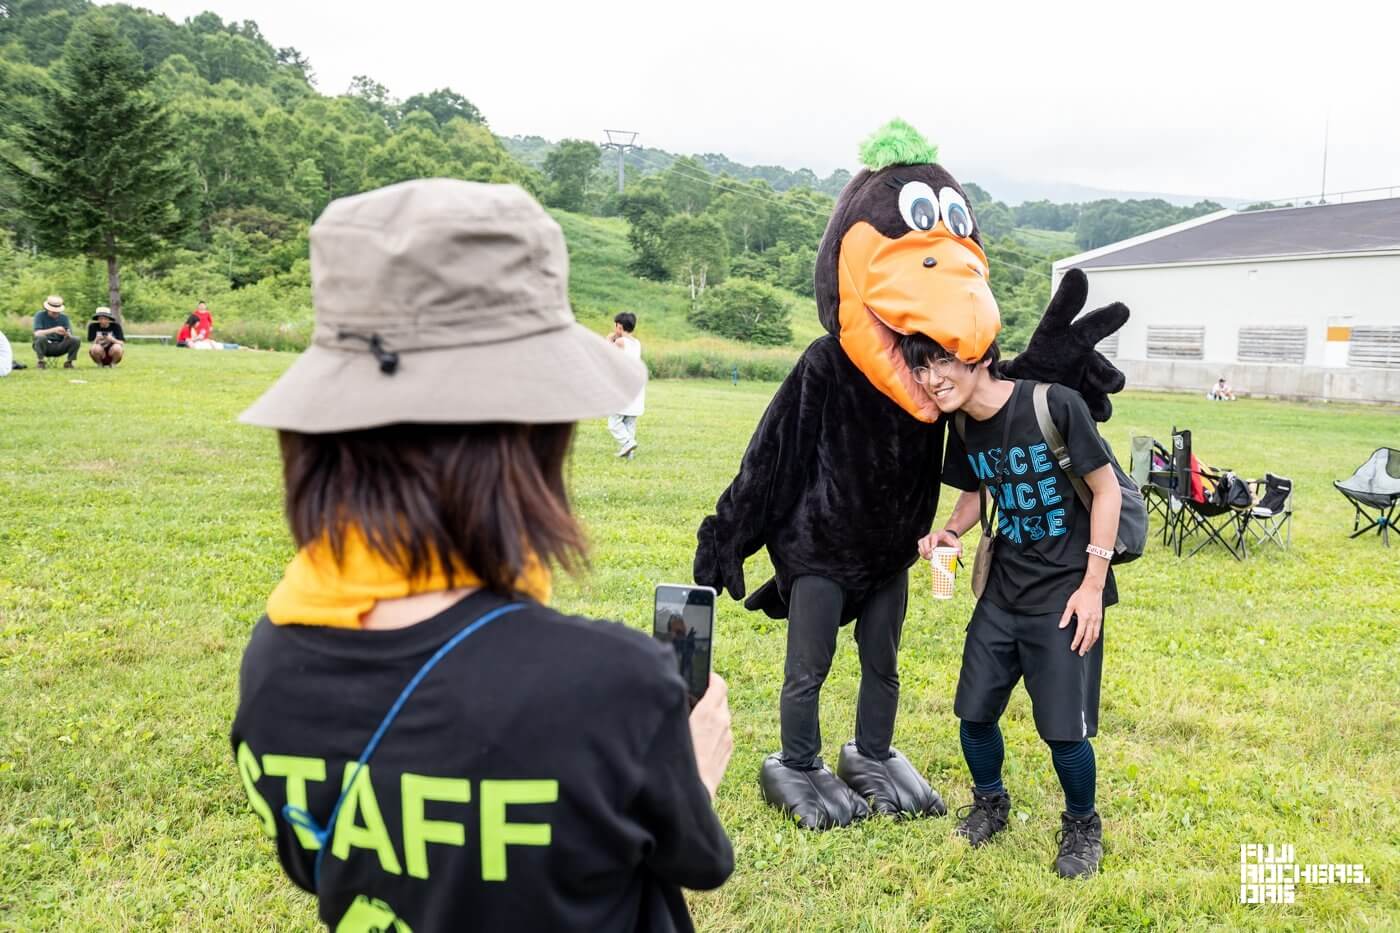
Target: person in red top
<point>198,326</point>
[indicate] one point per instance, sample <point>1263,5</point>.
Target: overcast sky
<point>1221,98</point>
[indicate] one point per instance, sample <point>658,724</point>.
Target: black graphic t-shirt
<point>1044,528</point>
<point>541,777</point>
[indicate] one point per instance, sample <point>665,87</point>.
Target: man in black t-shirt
<point>1041,612</point>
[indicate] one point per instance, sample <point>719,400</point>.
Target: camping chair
<point>1375,486</point>
<point>1271,516</point>
<point>1198,503</point>
<point>1150,468</point>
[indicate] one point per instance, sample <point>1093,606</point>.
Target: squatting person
<point>106,341</point>
<point>53,334</point>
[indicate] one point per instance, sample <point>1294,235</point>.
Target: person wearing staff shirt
<point>428,743</point>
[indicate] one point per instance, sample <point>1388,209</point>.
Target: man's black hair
<point>627,319</point>
<point>919,350</point>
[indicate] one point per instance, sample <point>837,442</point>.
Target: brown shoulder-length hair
<point>478,497</point>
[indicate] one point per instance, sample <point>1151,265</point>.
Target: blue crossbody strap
<point>301,818</point>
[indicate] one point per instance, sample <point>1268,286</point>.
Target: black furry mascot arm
<point>767,484</point>
<point>1062,349</point>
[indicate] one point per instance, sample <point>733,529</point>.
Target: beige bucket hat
<point>443,301</point>
<point>53,303</point>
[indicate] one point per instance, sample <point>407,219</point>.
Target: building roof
<point>1324,229</point>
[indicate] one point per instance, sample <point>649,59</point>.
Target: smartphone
<point>685,620</point>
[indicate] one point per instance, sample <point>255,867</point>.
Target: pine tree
<point>99,172</point>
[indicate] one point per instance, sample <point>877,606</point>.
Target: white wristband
<point>1105,553</point>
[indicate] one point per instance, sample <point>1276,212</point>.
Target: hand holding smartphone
<point>684,619</point>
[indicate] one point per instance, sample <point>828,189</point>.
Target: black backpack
<point>1231,492</point>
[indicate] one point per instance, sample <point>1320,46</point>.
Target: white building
<point>1299,302</point>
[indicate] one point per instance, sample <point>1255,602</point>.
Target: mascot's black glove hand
<point>715,565</point>
<point>1062,349</point>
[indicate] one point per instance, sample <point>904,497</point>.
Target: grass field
<point>140,533</point>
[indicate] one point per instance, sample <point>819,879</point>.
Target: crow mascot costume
<point>841,477</point>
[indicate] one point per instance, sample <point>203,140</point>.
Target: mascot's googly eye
<point>955,213</point>
<point>918,206</point>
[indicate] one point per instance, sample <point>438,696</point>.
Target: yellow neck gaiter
<point>318,590</point>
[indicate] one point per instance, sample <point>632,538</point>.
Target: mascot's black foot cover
<point>817,798</point>
<point>892,786</point>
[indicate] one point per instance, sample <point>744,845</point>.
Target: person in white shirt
<point>623,425</point>
<point>1221,391</point>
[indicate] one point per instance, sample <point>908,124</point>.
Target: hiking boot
<point>68,364</point>
<point>43,365</point>
<point>986,816</point>
<point>1081,845</point>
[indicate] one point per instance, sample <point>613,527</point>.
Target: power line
<point>1036,231</point>
<point>1030,257</point>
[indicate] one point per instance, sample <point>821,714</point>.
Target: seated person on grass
<point>53,334</point>
<point>199,326</point>
<point>1221,391</point>
<point>106,341</point>
<point>1041,611</point>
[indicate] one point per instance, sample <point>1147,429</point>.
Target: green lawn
<point>141,531</point>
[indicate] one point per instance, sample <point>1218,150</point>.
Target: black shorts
<point>1002,647</point>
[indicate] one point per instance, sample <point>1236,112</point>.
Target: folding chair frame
<point>1154,494</point>
<point>1155,497</point>
<point>1381,521</point>
<point>1192,519</point>
<point>1266,529</point>
<point>1188,517</point>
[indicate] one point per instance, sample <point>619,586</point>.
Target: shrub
<point>761,366</point>
<point>743,309</point>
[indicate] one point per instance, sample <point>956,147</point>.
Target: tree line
<point>198,151</point>
<point>182,161</point>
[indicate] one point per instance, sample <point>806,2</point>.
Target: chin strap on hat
<point>388,359</point>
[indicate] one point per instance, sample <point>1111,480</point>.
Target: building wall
<point>1223,297</point>
<point>1309,383</point>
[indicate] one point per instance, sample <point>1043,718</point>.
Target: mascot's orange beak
<point>928,282</point>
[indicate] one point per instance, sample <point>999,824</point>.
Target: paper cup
<point>945,569</point>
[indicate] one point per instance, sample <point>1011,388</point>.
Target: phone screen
<point>685,620</point>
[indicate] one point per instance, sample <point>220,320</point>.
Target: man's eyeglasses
<point>937,369</point>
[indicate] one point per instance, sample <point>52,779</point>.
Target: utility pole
<point>616,141</point>
<point>1326,128</point>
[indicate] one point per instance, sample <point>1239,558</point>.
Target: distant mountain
<point>1013,191</point>
<point>532,150</point>
<point>1010,191</point>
